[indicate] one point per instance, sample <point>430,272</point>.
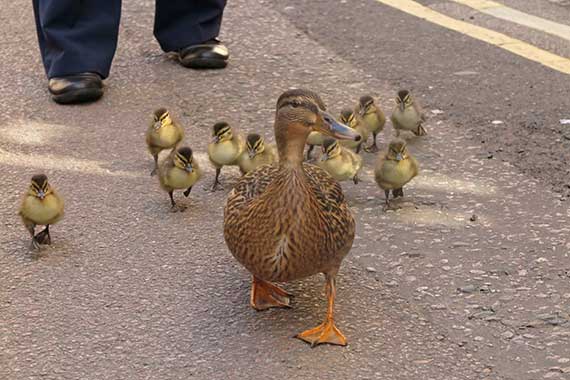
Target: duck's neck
<point>291,145</point>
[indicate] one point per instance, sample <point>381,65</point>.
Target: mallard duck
<point>395,168</point>
<point>257,153</point>
<point>225,149</point>
<point>372,117</point>
<point>348,117</point>
<point>290,220</point>
<point>179,171</point>
<point>162,133</point>
<point>41,206</point>
<point>408,115</point>
<point>341,163</point>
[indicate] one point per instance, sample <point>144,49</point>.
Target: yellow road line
<point>503,41</point>
<point>504,12</point>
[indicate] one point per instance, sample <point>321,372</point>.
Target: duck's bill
<point>337,130</point>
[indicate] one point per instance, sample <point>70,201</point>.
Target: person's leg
<point>76,40</point>
<point>190,27</point>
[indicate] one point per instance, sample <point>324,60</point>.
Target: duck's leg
<point>265,295</point>
<point>398,192</point>
<point>44,237</point>
<point>326,332</point>
<point>155,169</point>
<point>387,194</point>
<point>358,147</point>
<point>355,179</point>
<point>30,226</point>
<point>372,148</point>
<point>217,185</point>
<point>187,192</point>
<point>311,147</point>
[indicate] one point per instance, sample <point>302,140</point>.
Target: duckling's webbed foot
<point>155,169</point>
<point>372,148</point>
<point>398,192</point>
<point>187,192</point>
<point>421,131</point>
<point>265,295</point>
<point>326,332</point>
<point>174,207</point>
<point>44,236</point>
<point>217,185</point>
<point>34,245</point>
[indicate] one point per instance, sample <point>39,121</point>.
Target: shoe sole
<point>83,95</point>
<point>205,63</point>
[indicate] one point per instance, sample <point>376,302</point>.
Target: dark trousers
<point>78,36</point>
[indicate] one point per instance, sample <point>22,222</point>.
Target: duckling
<point>179,171</point>
<point>408,115</point>
<point>341,163</point>
<point>353,121</point>
<point>314,138</point>
<point>162,133</point>
<point>224,150</point>
<point>289,220</point>
<point>395,168</point>
<point>372,117</point>
<point>257,153</point>
<point>41,206</point>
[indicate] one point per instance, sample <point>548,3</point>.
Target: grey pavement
<point>131,291</point>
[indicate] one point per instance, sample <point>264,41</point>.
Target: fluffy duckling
<point>162,133</point>
<point>257,153</point>
<point>179,171</point>
<point>289,220</point>
<point>314,138</point>
<point>372,117</point>
<point>408,115</point>
<point>41,206</point>
<point>348,117</point>
<point>395,168</point>
<point>224,150</point>
<point>341,163</point>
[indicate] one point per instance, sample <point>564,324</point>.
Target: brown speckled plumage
<point>289,220</point>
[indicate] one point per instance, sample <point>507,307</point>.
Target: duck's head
<point>255,145</point>
<point>183,159</point>
<point>397,150</point>
<point>39,186</point>
<point>221,132</point>
<point>300,112</point>
<point>161,118</point>
<point>347,117</point>
<point>366,105</point>
<point>331,149</point>
<point>404,99</point>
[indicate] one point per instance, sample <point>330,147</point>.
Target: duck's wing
<point>251,185</point>
<point>326,188</point>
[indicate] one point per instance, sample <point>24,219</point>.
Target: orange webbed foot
<point>265,295</point>
<point>326,332</point>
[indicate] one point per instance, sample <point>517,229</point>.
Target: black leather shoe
<point>77,88</point>
<point>211,54</point>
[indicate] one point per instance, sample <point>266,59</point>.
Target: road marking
<point>503,12</point>
<point>503,41</point>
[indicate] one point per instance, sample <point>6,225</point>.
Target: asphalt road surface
<point>468,277</point>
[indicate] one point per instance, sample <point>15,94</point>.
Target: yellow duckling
<point>395,168</point>
<point>162,133</point>
<point>224,150</point>
<point>341,163</point>
<point>315,138</point>
<point>289,220</point>
<point>408,115</point>
<point>353,121</point>
<point>179,171</point>
<point>372,117</point>
<point>257,153</point>
<point>41,206</point>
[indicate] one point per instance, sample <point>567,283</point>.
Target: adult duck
<point>289,220</point>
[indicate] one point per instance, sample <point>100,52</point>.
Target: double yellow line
<point>503,41</point>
